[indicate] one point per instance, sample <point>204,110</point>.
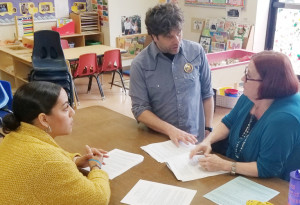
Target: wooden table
<point>104,128</point>
<point>15,61</point>
<point>74,53</point>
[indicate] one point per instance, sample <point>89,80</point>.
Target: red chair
<point>112,62</point>
<point>88,67</point>
<point>64,43</point>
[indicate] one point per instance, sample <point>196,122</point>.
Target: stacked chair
<point>49,63</point>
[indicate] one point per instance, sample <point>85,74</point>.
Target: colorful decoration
<point>43,10</point>
<point>7,8</point>
<point>219,3</point>
<point>287,34</point>
<point>46,7</point>
<point>28,8</point>
<point>78,6</point>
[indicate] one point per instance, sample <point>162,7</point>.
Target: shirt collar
<point>154,50</point>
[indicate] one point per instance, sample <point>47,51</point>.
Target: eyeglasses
<point>250,79</point>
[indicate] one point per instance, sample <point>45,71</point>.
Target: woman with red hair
<point>263,129</point>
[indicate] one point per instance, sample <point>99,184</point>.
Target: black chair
<point>49,62</point>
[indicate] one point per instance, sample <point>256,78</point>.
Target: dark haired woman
<point>33,168</point>
<point>263,129</point>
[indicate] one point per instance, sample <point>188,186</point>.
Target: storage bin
<point>92,42</point>
<point>226,101</point>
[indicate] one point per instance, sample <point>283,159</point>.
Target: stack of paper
<point>119,162</point>
<point>239,191</point>
<point>152,193</point>
<point>178,161</point>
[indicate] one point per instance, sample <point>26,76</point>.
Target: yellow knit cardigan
<point>35,170</point>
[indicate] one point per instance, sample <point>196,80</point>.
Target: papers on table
<point>152,193</point>
<point>163,151</point>
<point>186,169</point>
<point>239,191</point>
<point>119,162</point>
<point>177,159</point>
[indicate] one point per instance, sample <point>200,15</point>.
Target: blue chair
<point>5,100</point>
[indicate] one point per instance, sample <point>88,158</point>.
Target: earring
<point>48,130</point>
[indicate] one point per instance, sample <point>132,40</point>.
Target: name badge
<point>188,68</point>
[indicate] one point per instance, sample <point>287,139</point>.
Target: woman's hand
<point>91,153</point>
<point>202,148</point>
<point>212,163</point>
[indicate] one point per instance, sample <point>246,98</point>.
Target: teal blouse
<point>274,141</point>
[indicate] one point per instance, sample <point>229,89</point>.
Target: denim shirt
<point>163,86</point>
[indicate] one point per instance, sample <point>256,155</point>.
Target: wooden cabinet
<point>15,64</point>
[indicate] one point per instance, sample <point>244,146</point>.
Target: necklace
<point>243,138</point>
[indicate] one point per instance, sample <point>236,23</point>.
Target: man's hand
<point>177,135</point>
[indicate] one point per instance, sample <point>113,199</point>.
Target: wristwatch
<point>210,129</point>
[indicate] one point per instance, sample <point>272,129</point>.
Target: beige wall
<point>118,8</point>
<point>256,12</point>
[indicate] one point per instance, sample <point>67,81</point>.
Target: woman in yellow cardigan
<point>33,168</point>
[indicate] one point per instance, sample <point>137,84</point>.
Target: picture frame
<point>197,25</point>
<point>205,42</point>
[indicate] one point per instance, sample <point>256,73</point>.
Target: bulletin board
<point>216,3</point>
<point>42,10</point>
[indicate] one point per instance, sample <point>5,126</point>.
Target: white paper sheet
<point>163,151</point>
<point>186,169</point>
<point>239,190</point>
<point>152,193</point>
<point>120,161</point>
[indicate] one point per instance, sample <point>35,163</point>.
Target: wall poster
<point>42,10</point>
<point>218,3</point>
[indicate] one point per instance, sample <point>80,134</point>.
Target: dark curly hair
<point>163,18</point>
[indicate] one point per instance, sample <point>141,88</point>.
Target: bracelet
<point>96,165</point>
<point>99,163</point>
<point>233,168</point>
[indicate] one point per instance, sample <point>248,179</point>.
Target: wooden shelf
<point>86,22</point>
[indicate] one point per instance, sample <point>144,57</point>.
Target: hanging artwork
<point>78,6</point>
<point>131,24</point>
<point>43,10</point>
<point>218,3</point>
<point>46,7</point>
<point>28,8</point>
<point>197,25</point>
<point>7,8</point>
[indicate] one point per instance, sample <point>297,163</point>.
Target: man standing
<point>128,26</point>
<point>170,80</point>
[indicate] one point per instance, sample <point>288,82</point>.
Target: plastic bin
<point>92,42</point>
